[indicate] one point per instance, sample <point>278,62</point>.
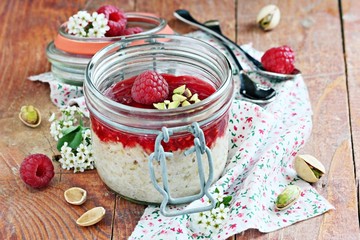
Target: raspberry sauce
<point>121,92</point>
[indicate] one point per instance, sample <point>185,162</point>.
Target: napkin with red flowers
<point>263,143</point>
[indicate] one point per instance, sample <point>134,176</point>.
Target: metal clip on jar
<point>153,156</point>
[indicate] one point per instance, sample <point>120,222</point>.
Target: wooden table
<point>325,36</point>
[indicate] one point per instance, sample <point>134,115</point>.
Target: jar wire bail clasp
<point>160,155</point>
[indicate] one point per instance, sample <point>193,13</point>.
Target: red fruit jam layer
<point>121,92</point>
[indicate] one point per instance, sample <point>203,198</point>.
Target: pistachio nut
<point>91,217</point>
<point>287,197</point>
<point>309,168</point>
<point>268,17</point>
<point>30,116</point>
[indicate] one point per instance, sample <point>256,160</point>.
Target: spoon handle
<point>186,17</point>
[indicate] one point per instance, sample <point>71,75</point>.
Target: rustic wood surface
<point>325,36</point>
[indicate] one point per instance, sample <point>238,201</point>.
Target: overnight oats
<point>171,86</point>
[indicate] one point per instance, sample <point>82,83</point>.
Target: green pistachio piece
<point>194,98</point>
<point>174,104</point>
<point>178,97</point>
<point>287,197</point>
<point>29,114</point>
<point>185,103</point>
<point>318,174</point>
<point>160,105</point>
<point>187,93</point>
<point>179,90</point>
<point>167,102</point>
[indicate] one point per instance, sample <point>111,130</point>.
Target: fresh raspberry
<point>132,30</point>
<point>279,60</point>
<point>116,20</point>
<point>37,170</point>
<point>149,87</point>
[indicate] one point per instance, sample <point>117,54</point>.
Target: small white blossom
<point>84,24</point>
<point>213,220</point>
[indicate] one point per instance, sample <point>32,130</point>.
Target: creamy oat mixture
<point>126,171</point>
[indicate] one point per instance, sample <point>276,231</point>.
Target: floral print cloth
<point>264,141</point>
<point>263,144</point>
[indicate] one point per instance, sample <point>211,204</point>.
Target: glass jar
<point>125,137</point>
<point>69,54</point>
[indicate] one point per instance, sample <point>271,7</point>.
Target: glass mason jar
<point>126,137</point>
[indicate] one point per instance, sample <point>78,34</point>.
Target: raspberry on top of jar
<point>151,90</point>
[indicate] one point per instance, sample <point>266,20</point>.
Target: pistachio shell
<point>268,17</point>
<point>23,119</point>
<point>309,168</point>
<point>287,197</point>
<point>91,217</point>
<point>75,195</point>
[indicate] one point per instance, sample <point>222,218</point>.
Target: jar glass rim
<point>117,46</point>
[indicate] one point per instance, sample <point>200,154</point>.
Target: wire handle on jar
<point>160,155</point>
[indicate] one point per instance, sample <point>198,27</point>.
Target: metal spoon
<point>186,17</point>
<point>250,90</point>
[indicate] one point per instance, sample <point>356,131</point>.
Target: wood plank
<point>313,29</point>
<point>351,20</point>
<point>27,213</point>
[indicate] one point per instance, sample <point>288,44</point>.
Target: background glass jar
<point>124,136</point>
<point>69,54</point>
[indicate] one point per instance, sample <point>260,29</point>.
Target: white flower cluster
<point>84,24</point>
<point>80,158</point>
<point>211,221</point>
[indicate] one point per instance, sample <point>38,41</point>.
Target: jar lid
<point>150,23</point>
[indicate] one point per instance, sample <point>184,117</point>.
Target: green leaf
<point>73,137</point>
<point>227,200</point>
<point>70,129</point>
<point>76,140</point>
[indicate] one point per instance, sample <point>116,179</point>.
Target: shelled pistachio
<point>287,197</point>
<point>30,116</point>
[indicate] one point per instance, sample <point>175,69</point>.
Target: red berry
<point>279,60</point>
<point>37,170</point>
<point>132,30</point>
<point>116,20</point>
<point>149,87</point>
